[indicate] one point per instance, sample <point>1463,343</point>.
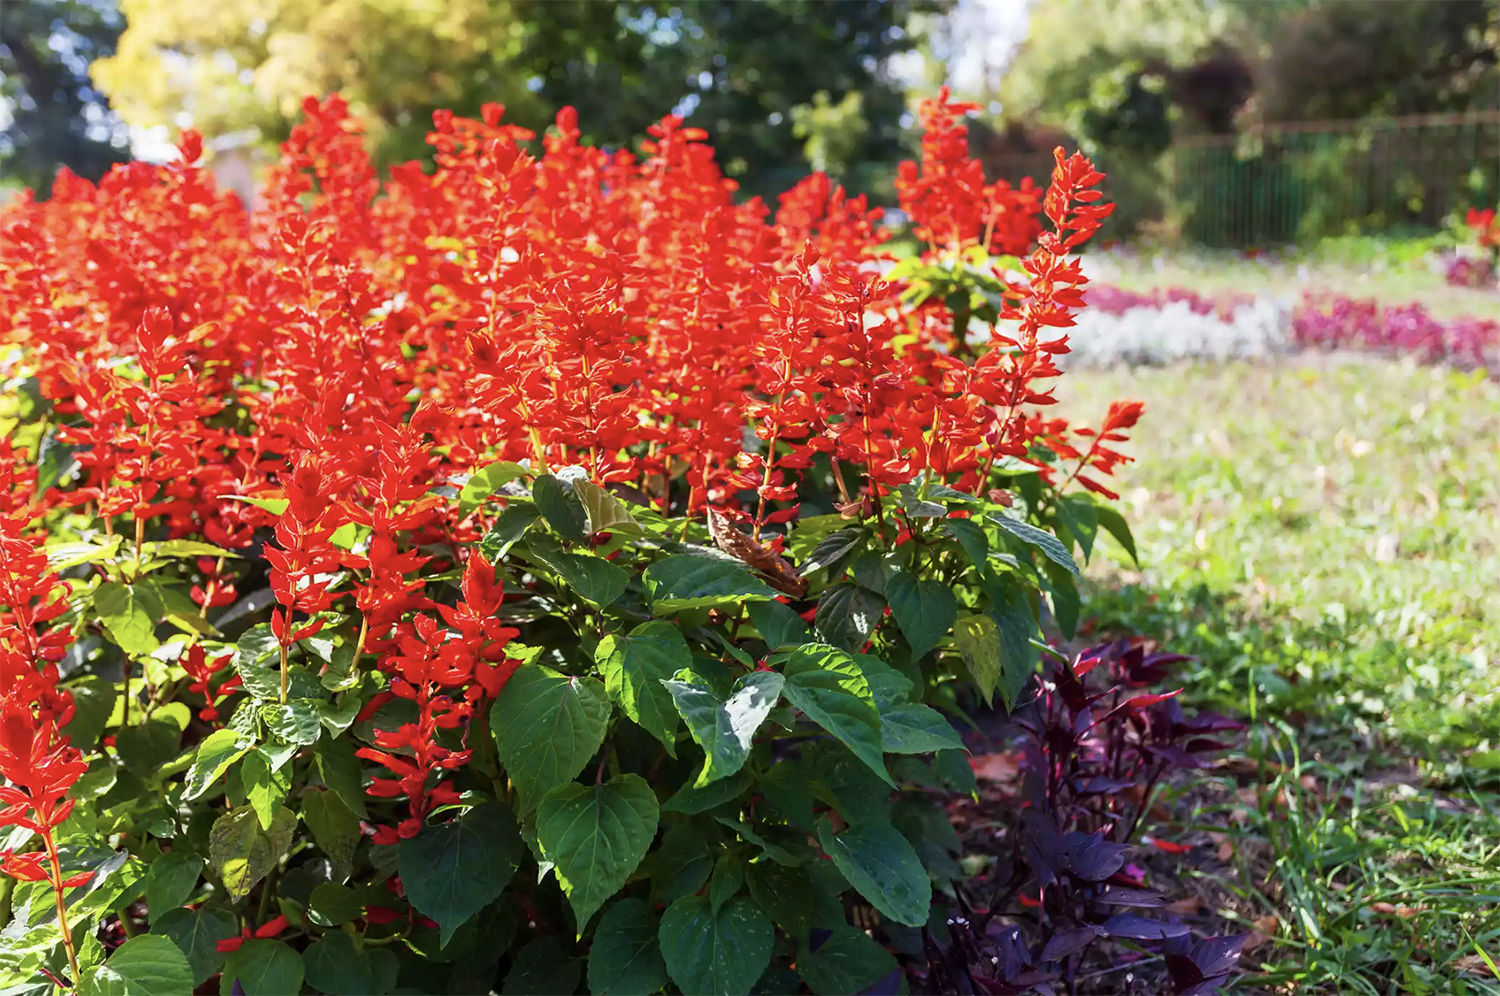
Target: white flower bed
<point>1172,332</point>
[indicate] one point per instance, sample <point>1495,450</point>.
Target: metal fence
<point>1283,183</point>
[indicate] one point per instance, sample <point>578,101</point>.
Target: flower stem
<point>62,907</point>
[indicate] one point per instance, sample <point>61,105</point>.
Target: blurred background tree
<point>734,69</point>
<point>51,113</point>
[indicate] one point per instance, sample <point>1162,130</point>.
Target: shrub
<point>542,565</point>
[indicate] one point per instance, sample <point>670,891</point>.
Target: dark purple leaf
<point>1114,895</point>
<point>1092,858</point>
<point>1219,955</point>
<point>1185,974</point>
<point>1065,942</point>
<point>1208,987</point>
<point>1201,745</point>
<point>1175,756</point>
<point>1099,784</point>
<point>1139,928</point>
<point>237,989</point>
<point>994,987</point>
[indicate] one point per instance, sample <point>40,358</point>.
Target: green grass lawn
<point>1324,535</point>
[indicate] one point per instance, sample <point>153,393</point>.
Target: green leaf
<point>335,828</point>
<point>848,962</point>
<point>925,611</point>
<point>596,579</point>
<point>1079,516</point>
<point>686,581</point>
<point>187,548</point>
<point>778,625</point>
<point>508,528</point>
<point>332,904</point>
<point>262,968</point>
<point>296,722</point>
<point>798,899</point>
<point>625,958</point>
<point>847,614</point>
<point>61,556</point>
<point>729,875</point>
<point>149,746</point>
<point>978,639</point>
<point>1050,545</point>
<point>607,514</point>
<point>1012,613</point>
<point>93,702</point>
<point>453,870</point>
<point>1114,523</point>
<point>242,853</point>
<point>829,687</point>
<point>336,967</point>
<point>125,611</point>
<point>197,933</point>
<point>340,771</point>
<point>715,954</point>
<point>216,753</point>
<point>276,506</point>
<point>542,967</point>
<point>888,686</point>
<point>971,537</point>
<point>882,866</point>
<point>725,729</point>
<point>835,548</point>
<point>1066,604</point>
<point>170,881</point>
<point>634,667</point>
<point>485,482</point>
<point>147,965</point>
<point>680,864</point>
<point>596,836</point>
<point>546,726</point>
<point>916,729</point>
<point>916,507</point>
<point>561,507</point>
<point>265,788</point>
<point>691,799</point>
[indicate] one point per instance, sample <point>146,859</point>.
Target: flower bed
<point>1338,322</point>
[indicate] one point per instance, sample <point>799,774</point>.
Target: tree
<point>56,118</point>
<point>734,69</point>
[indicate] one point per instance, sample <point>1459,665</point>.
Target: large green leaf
<point>596,836</point>
<point>334,965</point>
<point>216,753</point>
<point>916,729</point>
<point>686,581</point>
<point>546,727</point>
<point>715,954</point>
<point>296,722</point>
<point>485,482</point>
<point>971,537</point>
<point>334,827</point>
<point>242,853</point>
<point>1044,541</point>
<point>777,624</point>
<point>170,880</point>
<point>453,870</point>
<point>197,933</point>
<point>680,864</point>
<point>561,507</point>
<point>925,610</point>
<point>634,667</point>
<point>543,967</point>
<point>265,787</point>
<point>798,899</point>
<point>262,968</point>
<point>1066,603</point>
<point>148,965</point>
<point>847,962</point>
<point>1011,610</point>
<point>847,614</point>
<point>508,528</point>
<point>127,613</point>
<point>625,958</point>
<point>594,578</point>
<point>978,639</point>
<point>1080,517</point>
<point>835,548</point>
<point>607,514</point>
<point>1114,523</point>
<point>829,687</point>
<point>339,768</point>
<point>726,729</point>
<point>882,866</point>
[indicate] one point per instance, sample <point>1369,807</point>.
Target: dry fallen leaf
<point>1002,767</point>
<point>1474,963</point>
<point>1262,930</point>
<point>1226,850</point>
<point>1192,904</point>
<point>759,556</point>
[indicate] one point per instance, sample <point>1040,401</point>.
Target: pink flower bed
<point>1338,322</point>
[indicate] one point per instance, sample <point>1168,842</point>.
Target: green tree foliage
<point>733,69</point>
<point>53,116</point>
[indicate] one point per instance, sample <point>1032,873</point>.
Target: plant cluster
<point>1339,322</point>
<point>1097,744</point>
<point>1478,269</point>
<point>543,565</point>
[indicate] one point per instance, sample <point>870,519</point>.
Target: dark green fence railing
<point>1277,185</point>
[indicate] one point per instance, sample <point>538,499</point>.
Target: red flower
<point>270,928</point>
